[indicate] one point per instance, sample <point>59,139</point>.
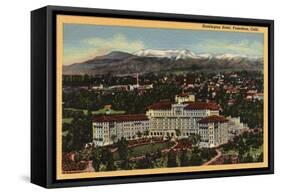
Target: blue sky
<point>82,42</point>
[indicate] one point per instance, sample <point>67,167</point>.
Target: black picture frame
<point>43,95</point>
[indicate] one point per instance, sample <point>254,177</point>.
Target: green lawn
<point>64,133</point>
<point>108,111</point>
<point>144,149</point>
<point>97,112</point>
<point>67,120</point>
<point>230,152</point>
<point>149,148</point>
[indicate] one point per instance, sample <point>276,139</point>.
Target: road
<point>214,158</point>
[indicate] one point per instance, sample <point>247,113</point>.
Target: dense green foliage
<point>77,133</point>
<point>80,105</point>
<point>128,101</point>
<point>247,146</point>
<point>166,86</point>
<point>172,159</point>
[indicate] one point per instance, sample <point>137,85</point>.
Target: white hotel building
<point>167,119</point>
<point>110,127</point>
<point>186,117</point>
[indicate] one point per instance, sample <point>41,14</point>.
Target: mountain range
<point>149,60</point>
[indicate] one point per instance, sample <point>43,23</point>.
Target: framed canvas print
<point>124,96</point>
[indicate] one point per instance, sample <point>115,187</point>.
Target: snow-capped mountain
<point>230,56</point>
<point>205,56</point>
<point>186,54</point>
<point>171,54</point>
<point>145,61</point>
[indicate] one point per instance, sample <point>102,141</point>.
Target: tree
<point>247,159</point>
<point>228,146</point>
<point>172,159</point>
<point>104,155</point>
<point>242,148</point>
<point>159,153</point>
<point>125,164</point>
<point>108,159</point>
<point>67,145</point>
<point>139,134</point>
<point>77,143</point>
<point>169,137</point>
<point>207,153</point>
<point>146,133</point>
<point>195,158</point>
<point>96,162</point>
<point>178,132</point>
<point>79,131</point>
<point>260,157</point>
<point>113,138</point>
<point>227,160</point>
<point>183,158</point>
<point>145,163</point>
<point>195,139</point>
<point>122,145</point>
<point>123,151</point>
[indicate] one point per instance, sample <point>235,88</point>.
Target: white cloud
<point>251,48</point>
<point>95,46</point>
<point>118,42</point>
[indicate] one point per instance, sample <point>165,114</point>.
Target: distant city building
<point>258,96</point>
<point>235,126</point>
<point>122,87</point>
<point>138,86</point>
<point>107,106</point>
<point>97,87</point>
<point>182,98</point>
<point>254,96</point>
